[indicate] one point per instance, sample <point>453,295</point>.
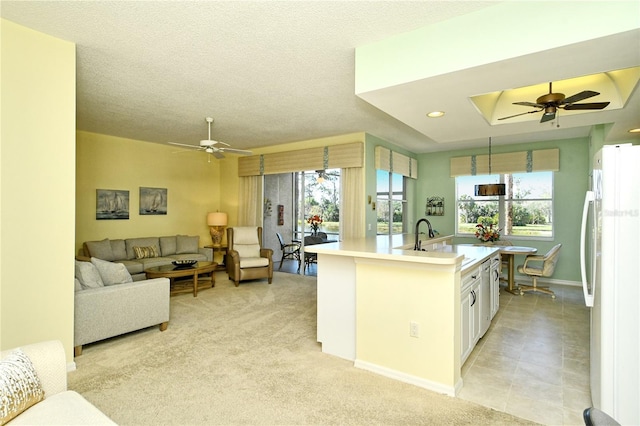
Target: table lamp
<point>217,222</point>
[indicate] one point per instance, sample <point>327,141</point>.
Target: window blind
<point>511,162</point>
<point>318,158</point>
<point>394,162</point>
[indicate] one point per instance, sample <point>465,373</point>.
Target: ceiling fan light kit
<point>551,102</point>
<point>212,147</point>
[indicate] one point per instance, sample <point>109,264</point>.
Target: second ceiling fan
<point>551,102</point>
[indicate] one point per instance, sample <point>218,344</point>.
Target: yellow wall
<point>193,186</point>
<point>37,197</point>
<point>390,296</point>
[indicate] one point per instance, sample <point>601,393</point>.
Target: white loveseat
<point>59,406</point>
<point>108,303</point>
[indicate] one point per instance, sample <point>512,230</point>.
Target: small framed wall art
<point>435,206</point>
<point>153,201</point>
<point>112,204</point>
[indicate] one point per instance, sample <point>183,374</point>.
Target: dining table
<point>510,252</point>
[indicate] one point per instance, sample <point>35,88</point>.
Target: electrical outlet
<point>369,227</point>
<point>414,329</point>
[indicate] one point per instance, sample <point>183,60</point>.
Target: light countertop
<point>400,248</point>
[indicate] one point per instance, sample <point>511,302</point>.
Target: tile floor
<point>533,362</point>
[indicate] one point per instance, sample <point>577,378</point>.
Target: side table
<point>223,248</point>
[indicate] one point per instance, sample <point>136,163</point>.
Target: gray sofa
<point>59,406</point>
<point>157,251</point>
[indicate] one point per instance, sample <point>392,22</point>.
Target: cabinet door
<point>476,311</point>
<point>465,325</point>
<point>495,287</point>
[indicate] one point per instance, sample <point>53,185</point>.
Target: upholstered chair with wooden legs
<point>247,259</point>
<point>539,266</point>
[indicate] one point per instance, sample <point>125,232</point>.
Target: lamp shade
<point>217,219</point>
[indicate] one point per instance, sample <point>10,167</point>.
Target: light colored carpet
<point>248,355</point>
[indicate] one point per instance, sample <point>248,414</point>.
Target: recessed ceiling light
<point>636,130</point>
<point>435,114</point>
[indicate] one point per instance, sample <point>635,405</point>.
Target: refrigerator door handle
<point>588,297</point>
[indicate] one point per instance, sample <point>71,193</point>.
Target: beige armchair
<point>539,266</point>
<point>247,259</point>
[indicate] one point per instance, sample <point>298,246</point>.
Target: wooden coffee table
<point>172,272</point>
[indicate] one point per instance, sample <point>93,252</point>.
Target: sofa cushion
<point>133,266</point>
<point>68,408</point>
<point>112,273</point>
<point>168,245</point>
<point>130,243</point>
<point>88,275</point>
<point>145,252</point>
<point>186,244</point>
<point>76,284</point>
<point>100,249</point>
<point>253,262</point>
<point>20,386</point>
<point>119,249</point>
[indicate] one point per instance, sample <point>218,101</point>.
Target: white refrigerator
<point>610,266</point>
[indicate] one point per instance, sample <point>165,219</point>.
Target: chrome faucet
<point>418,243</point>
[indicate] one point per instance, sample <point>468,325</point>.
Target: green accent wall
<point>570,184</point>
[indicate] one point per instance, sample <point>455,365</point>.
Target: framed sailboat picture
<point>112,204</point>
<point>153,201</point>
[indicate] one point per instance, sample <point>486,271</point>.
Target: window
<point>321,198</point>
<point>391,203</point>
<point>526,211</point>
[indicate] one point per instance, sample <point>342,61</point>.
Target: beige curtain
<point>352,203</point>
<point>250,201</point>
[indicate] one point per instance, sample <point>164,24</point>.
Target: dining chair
<point>539,266</point>
<point>289,251</point>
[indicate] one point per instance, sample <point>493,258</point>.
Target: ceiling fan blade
<point>185,145</point>
<point>236,151</point>
<point>529,104</point>
<point>217,154</point>
<point>517,115</point>
<point>585,94</point>
<point>547,117</point>
<point>593,105</point>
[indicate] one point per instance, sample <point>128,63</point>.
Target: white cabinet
<point>470,311</point>
<point>496,266</point>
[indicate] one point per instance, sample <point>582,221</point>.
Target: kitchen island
<point>393,310</point>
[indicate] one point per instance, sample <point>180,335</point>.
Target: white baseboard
<point>408,378</point>
<point>549,281</point>
<point>71,366</point>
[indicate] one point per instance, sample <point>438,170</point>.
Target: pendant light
<point>490,189</point>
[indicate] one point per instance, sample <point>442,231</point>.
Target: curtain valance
<point>510,162</point>
<point>395,162</point>
<point>319,158</point>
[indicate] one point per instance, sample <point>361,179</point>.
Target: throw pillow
<point>77,285</point>
<point>145,252</point>
<point>100,249</point>
<point>186,244</point>
<point>20,386</point>
<point>88,275</point>
<point>112,273</point>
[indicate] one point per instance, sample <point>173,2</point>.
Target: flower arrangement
<point>487,233</point>
<point>315,222</point>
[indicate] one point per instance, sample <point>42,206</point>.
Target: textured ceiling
<point>268,72</point>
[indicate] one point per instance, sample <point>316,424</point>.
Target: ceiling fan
<point>551,102</point>
<point>213,147</point>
